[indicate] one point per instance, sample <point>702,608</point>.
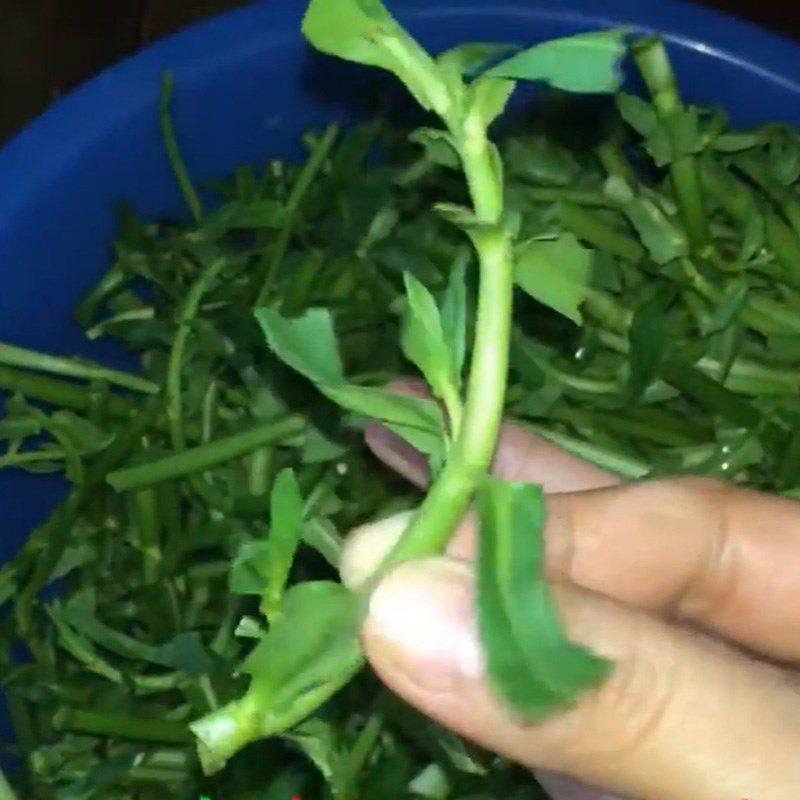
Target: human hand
<point>689,586</point>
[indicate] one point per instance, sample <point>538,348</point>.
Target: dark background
<point>47,46</point>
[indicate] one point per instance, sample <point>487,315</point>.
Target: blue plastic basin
<point>246,86</point>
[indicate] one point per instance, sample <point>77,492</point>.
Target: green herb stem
<point>686,184</point>
<point>651,57</point>
<point>186,317</point>
<point>148,529</point>
<point>224,732</point>
<point>13,356</point>
<point>618,463</point>
<point>59,393</point>
<point>46,545</point>
<point>473,449</point>
<point>122,726</point>
<point>111,281</point>
<point>197,459</point>
<point>176,161</point>
<point>305,178</point>
<point>614,163</point>
<point>711,394</point>
<point>599,234</point>
<point>357,758</point>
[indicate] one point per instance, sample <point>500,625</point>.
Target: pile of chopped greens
<point>655,330</point>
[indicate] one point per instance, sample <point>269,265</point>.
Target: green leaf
<point>665,140</point>
<point>588,63</point>
<point>418,420</point>
<point>306,343</point>
<point>312,641</point>
<point>185,653</point>
<point>664,240</point>
<point>488,98</point>
<point>432,783</point>
<point>252,215</point>
<point>731,303</point>
<point>735,142</point>
<point>531,663</point>
<point>642,117</point>
<point>262,567</point>
<point>754,235</point>
<point>454,316</point>
<point>365,32</point>
<point>424,341</point>
<point>319,448</point>
<point>249,569</point>
<point>648,341</point>
<point>285,532</point>
<point>555,272</point>
<point>439,146</point>
<point>317,739</point>
<point>471,59</point>
<point>541,160</point>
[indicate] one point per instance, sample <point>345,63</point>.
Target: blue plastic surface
<point>246,86</point>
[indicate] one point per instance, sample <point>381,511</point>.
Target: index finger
<point>722,558</point>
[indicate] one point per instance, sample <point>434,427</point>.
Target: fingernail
<point>367,546</point>
<point>420,625</point>
<point>397,454</point>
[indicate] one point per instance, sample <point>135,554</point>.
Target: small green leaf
<point>185,653</point>
<point>488,98</point>
<point>665,139</point>
<point>306,343</point>
<point>458,215</point>
<point>253,215</point>
<point>454,316</point>
<point>735,142</point>
<point>731,303</point>
<point>365,32</point>
<point>642,117</point>
<point>318,740</point>
<point>471,59</point>
<point>531,663</point>
<point>541,160</point>
<point>784,160</point>
<point>249,569</point>
<point>285,532</point>
<point>664,240</point>
<point>424,341</point>
<point>754,235</point>
<point>555,272</point>
<point>588,63</point>
<point>262,567</point>
<point>439,146</point>
<point>648,341</point>
<point>418,420</point>
<point>431,784</point>
<point>312,643</point>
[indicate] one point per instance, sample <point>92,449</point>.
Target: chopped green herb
<point>634,299</point>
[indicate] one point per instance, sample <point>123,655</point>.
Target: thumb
<point>676,719</point>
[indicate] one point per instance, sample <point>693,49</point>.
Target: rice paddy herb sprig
<point>311,648</point>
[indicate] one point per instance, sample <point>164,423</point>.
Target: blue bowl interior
<point>246,87</point>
